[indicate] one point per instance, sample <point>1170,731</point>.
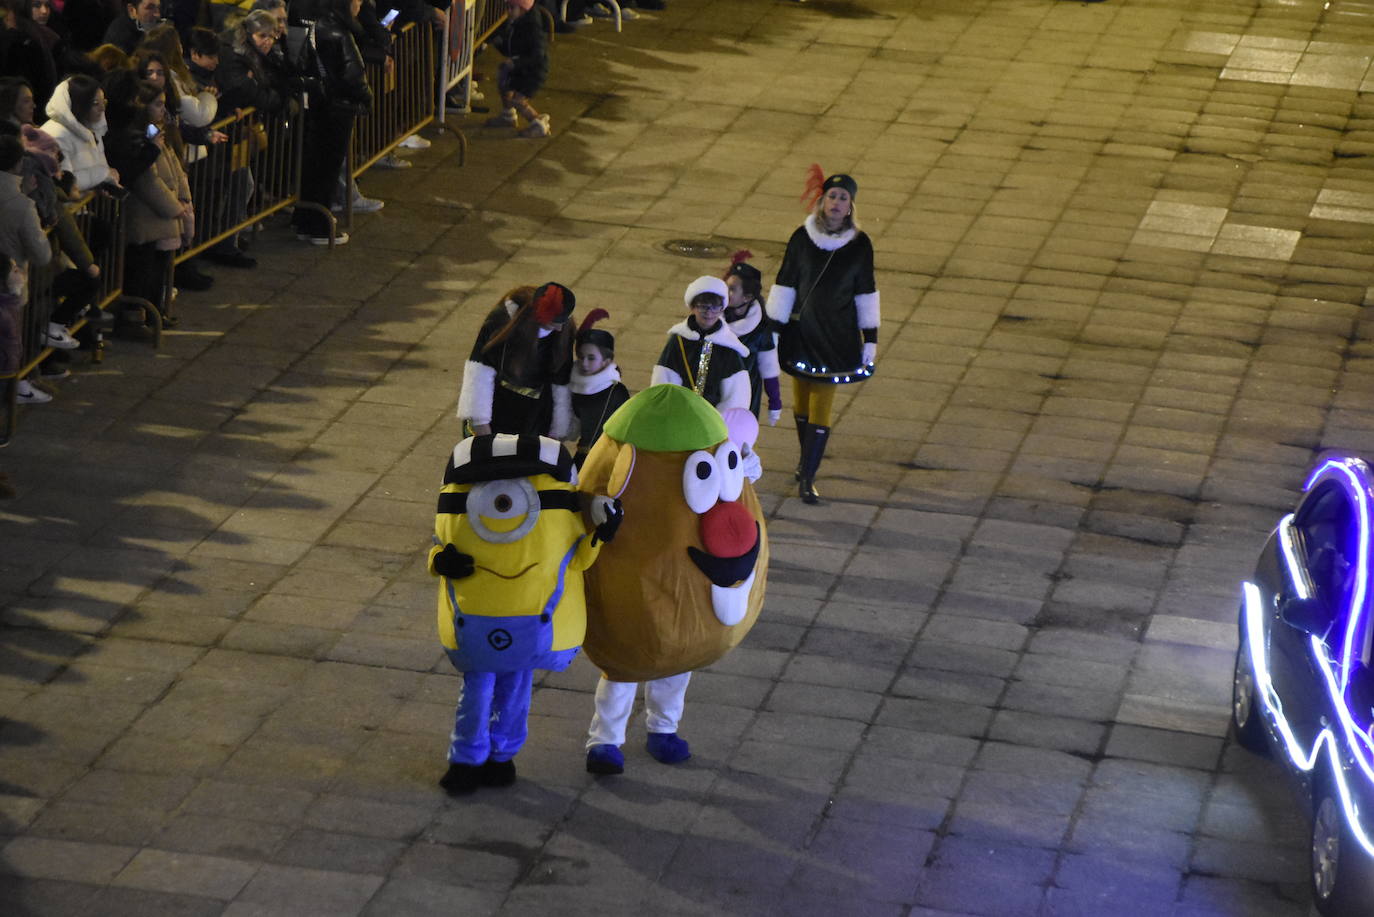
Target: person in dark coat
<point>26,49</point>
<point>595,382</point>
<point>246,76</point>
<point>522,74</point>
<point>126,31</point>
<point>745,315</point>
<point>516,379</point>
<point>343,94</point>
<point>825,304</point>
<point>702,353</point>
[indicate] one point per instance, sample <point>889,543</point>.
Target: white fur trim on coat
<point>662,375</point>
<point>735,391</point>
<point>824,240</point>
<point>598,381</point>
<point>562,425</point>
<point>769,367</point>
<point>867,306</point>
<point>721,337</point>
<point>752,316</point>
<point>781,299</point>
<point>475,397</point>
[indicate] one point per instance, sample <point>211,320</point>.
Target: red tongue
<point>727,530</point>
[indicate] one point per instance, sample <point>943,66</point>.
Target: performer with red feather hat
<point>516,379</point>
<point>596,387</point>
<point>825,305</point>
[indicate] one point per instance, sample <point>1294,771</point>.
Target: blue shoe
<point>667,748</point>
<point>605,760</point>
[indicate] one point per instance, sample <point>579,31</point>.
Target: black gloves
<point>614,513</point>
<point>453,563</point>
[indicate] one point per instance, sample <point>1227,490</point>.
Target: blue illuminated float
<point>1303,684</point>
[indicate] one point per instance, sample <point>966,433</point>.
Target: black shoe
<point>497,773</point>
<point>461,779</point>
<point>235,258</point>
<point>190,277</point>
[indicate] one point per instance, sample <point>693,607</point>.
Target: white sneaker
<point>537,128</point>
<point>339,239</point>
<point>415,142</point>
<point>363,204</point>
<point>30,395</point>
<point>392,161</point>
<point>59,338</point>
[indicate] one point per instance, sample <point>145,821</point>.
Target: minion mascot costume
<point>685,581</point>
<point>510,548</point>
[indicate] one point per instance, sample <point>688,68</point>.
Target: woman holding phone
<point>158,208</point>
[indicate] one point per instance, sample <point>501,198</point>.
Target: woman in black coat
<point>825,304</point>
<point>343,94</point>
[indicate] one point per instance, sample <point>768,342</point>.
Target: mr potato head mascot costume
<point>684,581</point>
<point>510,548</point>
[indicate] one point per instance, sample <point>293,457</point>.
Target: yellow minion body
<point>519,532</point>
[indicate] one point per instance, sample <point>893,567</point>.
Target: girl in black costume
<point>825,304</point>
<point>702,353</point>
<point>596,387</point>
<point>516,380</point>
<point>744,313</point>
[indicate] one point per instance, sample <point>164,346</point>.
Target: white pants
<point>664,699</point>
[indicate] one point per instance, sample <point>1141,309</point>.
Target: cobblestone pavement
<point>1123,251</point>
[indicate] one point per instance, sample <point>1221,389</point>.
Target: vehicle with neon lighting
<point>1303,686</point>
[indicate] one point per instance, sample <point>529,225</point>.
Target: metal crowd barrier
<point>245,179</point>
<point>469,24</point>
<point>402,101</point>
<point>100,219</point>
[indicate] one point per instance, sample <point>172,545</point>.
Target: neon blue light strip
<point>1297,573</point>
<point>1305,760</point>
<point>1354,477</point>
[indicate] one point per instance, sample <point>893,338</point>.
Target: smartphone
<point>390,17</point>
<point>152,131</point>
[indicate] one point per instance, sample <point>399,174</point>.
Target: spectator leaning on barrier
<point>21,234</point>
<point>159,202</point>
<point>76,120</point>
<point>343,94</point>
<point>246,77</point>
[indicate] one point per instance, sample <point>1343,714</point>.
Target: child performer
<point>516,380</point>
<point>596,387</point>
<point>745,315</point>
<point>702,353</point>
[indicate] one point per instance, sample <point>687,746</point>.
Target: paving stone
<point>186,873</point>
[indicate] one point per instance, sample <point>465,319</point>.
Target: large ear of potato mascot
<point>510,548</point>
<point>685,580</point>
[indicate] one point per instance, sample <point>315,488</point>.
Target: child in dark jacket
<point>596,387</point>
<point>523,73</point>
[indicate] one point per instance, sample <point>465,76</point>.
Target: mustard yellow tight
<point>813,400</point>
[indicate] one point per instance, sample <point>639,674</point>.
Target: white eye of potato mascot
<point>510,545</point>
<point>685,580</point>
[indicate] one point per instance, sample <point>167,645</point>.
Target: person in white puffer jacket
<point>76,120</point>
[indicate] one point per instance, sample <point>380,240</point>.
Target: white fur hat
<point>706,284</point>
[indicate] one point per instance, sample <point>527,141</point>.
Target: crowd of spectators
<point>118,99</point>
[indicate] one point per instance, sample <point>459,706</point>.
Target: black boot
<point>802,427</point>
<point>812,453</point>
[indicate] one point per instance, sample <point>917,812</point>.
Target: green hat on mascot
<point>667,418</point>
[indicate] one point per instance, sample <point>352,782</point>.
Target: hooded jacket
<point>83,148</point>
<point>21,235</point>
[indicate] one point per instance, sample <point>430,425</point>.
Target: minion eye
<point>491,501</point>
<point>731,469</point>
<point>701,480</point>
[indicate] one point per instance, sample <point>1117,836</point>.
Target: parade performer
<point>702,352</point>
<point>744,313</point>
<point>685,580</point>
<point>825,304</point>
<point>510,548</point>
<point>516,380</point>
<point>595,383</point>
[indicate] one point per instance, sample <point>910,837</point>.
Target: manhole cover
<point>697,248</point>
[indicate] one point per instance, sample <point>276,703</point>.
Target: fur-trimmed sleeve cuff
<point>663,375</point>
<point>734,391</point>
<point>781,299</point>
<point>479,388</point>
<point>867,306</point>
<point>768,363</point>
<point>562,425</point>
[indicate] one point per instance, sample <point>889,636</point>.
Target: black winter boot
<point>802,427</point>
<point>812,453</point>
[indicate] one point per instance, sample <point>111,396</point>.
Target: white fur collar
<point>824,240</point>
<point>721,337</point>
<point>598,381</point>
<point>752,317</point>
